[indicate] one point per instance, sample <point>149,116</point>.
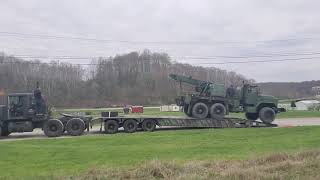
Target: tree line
<point>132,78</point>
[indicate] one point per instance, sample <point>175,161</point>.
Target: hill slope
<point>288,90</point>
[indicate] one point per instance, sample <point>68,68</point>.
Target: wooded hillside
<point>133,78</point>
<point>289,90</point>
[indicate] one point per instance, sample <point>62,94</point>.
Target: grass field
<point>156,112</point>
<point>66,157</point>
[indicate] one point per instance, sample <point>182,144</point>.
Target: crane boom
<point>187,79</point>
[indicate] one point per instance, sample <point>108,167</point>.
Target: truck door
<point>251,96</point>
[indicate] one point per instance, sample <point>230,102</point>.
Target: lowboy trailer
<point>130,124</point>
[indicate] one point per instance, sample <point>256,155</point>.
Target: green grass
<point>156,112</point>
<point>71,156</point>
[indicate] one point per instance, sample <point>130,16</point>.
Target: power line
<point>48,63</point>
<point>245,57</point>
<point>261,61</point>
<point>209,63</point>
<point>178,57</point>
<point>39,36</point>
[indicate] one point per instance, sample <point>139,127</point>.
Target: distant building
<point>306,104</point>
<point>316,91</point>
<point>170,108</point>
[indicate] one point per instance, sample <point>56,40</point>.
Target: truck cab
<point>257,105</point>
<point>22,113</point>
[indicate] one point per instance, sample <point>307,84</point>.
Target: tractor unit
<point>215,101</point>
<point>25,112</point>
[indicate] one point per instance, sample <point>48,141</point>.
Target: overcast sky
<point>182,28</point>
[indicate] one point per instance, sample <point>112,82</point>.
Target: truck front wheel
<point>200,110</point>
<point>75,127</point>
<point>217,110</point>
<point>252,116</point>
<point>267,115</point>
<point>53,128</point>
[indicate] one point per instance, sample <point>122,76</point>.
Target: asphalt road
<point>38,134</point>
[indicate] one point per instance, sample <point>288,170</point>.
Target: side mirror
<point>293,104</point>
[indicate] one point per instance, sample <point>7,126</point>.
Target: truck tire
<point>200,110</point>
<point>217,110</point>
<point>4,131</point>
<point>75,127</point>
<point>267,115</point>
<point>111,126</point>
<point>53,128</point>
<point>130,126</point>
<point>252,116</point>
<point>149,125</point>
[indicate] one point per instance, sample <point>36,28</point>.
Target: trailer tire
<point>111,126</point>
<point>75,127</point>
<point>267,115</point>
<point>217,110</point>
<point>149,125</point>
<point>252,116</point>
<point>53,128</point>
<point>200,110</point>
<point>130,126</point>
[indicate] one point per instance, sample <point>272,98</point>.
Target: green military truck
<point>215,101</point>
<point>24,112</point>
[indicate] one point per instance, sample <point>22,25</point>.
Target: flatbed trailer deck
<point>149,123</point>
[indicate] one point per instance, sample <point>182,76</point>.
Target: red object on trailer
<point>136,109</point>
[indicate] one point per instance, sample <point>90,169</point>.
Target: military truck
<point>25,112</point>
<point>216,101</point>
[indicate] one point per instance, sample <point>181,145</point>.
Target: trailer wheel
<point>200,110</point>
<point>130,126</point>
<point>149,125</point>
<point>75,127</point>
<point>217,110</point>
<point>111,126</point>
<point>53,128</point>
<point>267,115</point>
<point>252,116</point>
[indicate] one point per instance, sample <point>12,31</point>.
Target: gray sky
<point>205,28</point>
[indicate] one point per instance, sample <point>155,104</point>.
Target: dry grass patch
<point>303,165</point>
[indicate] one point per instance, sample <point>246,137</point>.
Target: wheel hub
<point>75,127</point>
<point>130,126</point>
<point>200,110</point>
<point>53,128</point>
<point>111,126</point>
